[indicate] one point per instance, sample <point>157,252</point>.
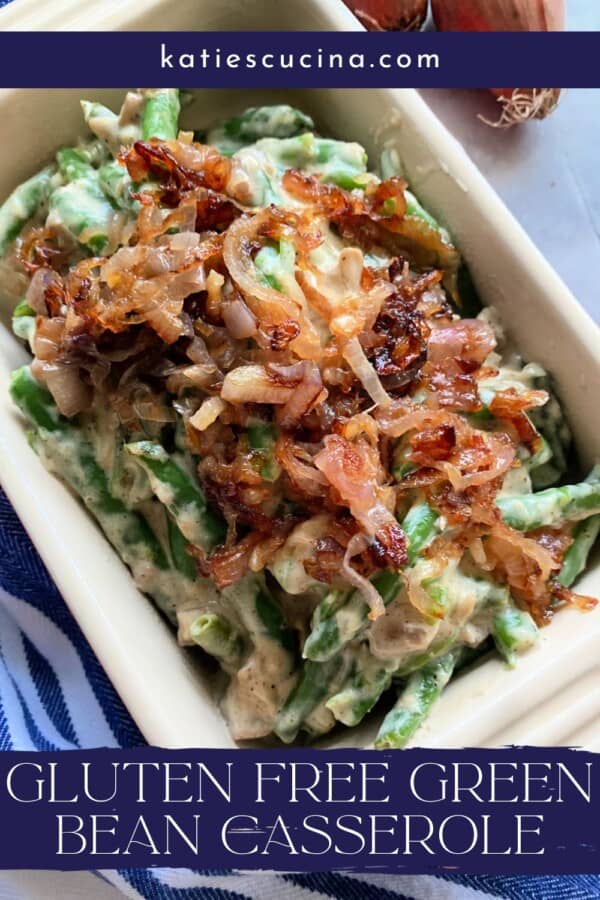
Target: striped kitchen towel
<point>54,695</point>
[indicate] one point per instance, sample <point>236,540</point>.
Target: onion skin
<point>517,104</point>
<point>389,15</point>
<point>524,104</point>
<point>499,15</point>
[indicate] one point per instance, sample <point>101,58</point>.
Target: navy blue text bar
<point>511,811</point>
<point>298,59</point>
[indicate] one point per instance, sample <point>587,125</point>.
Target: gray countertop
<point>548,175</point>
<point>546,172</point>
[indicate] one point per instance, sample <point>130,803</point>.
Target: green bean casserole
<point>265,372</point>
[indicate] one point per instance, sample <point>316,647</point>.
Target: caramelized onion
<point>42,281</point>
<point>48,338</point>
<point>239,320</point>
<point>303,475</point>
<point>180,320</point>
<point>271,307</point>
<point>226,565</point>
<point>353,469</point>
<point>357,360</point>
<point>525,565</point>
<point>307,392</point>
<point>468,339</point>
<point>209,412</point>
<point>179,166</point>
<point>64,382</point>
<point>145,283</point>
<point>252,384</point>
<point>496,457</point>
<point>474,458</point>
<point>357,544</point>
<point>404,416</point>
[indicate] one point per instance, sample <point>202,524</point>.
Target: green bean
<point>115,131</point>
<point>81,161</point>
<point>419,527</point>
<point>92,193</point>
<point>417,660</point>
<point>83,210</point>
<point>271,656</point>
<point>368,680</point>
<point>23,322</point>
<point>390,165</point>
<point>305,696</point>
<point>182,496</point>
<point>339,620</point>
<point>414,208</point>
<point>402,463</point>
<point>65,450</point>
<point>345,178</point>
<point>514,632</point>
<point>73,459</point>
<point>275,262</point>
<point>488,596</point>
<point>551,423</point>
<point>261,615</point>
<point>35,402</point>
<point>438,601</point>
<point>415,701</point>
<point>280,121</point>
<point>261,435</point>
<point>271,616</point>
<point>85,194</point>
<point>468,302</point>
<point>93,111</point>
<point>116,184</point>
<point>127,480</point>
<point>180,558</point>
<point>23,309</point>
<point>161,114</point>
<point>218,638</point>
<point>584,536</point>
<point>81,206</point>
<point>540,458</point>
<point>72,164</point>
<point>321,720</point>
<point>22,205</point>
<point>261,438</point>
<point>551,507</point>
<point>323,155</point>
<point>337,162</point>
<point>256,123</point>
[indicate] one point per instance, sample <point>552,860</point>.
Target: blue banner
<point>510,811</point>
<point>299,59</point>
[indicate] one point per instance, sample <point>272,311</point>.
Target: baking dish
<point>554,694</point>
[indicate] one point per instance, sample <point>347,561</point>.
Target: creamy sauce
<point>436,607</point>
<point>258,690</point>
<point>288,564</point>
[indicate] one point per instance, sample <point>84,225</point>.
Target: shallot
<point>389,15</point>
<point>518,104</point>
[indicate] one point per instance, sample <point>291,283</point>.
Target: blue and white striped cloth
<point>55,696</point>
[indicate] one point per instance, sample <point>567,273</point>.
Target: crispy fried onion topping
<point>320,384</point>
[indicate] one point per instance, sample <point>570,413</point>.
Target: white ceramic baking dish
<point>553,696</point>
